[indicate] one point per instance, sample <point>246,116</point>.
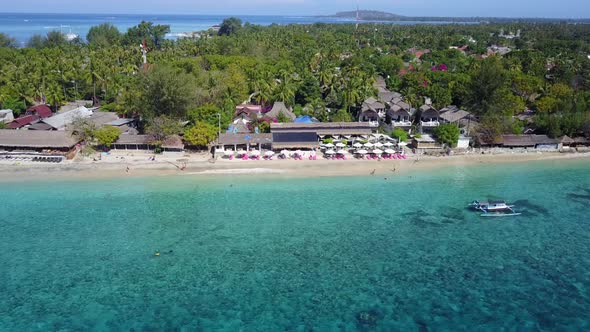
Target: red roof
<point>23,121</point>
<point>43,111</point>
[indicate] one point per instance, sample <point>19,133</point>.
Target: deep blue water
<point>276,254</point>
<point>23,26</point>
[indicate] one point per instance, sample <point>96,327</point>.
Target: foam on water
<point>271,254</point>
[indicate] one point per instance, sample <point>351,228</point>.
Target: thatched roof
<point>173,142</point>
<point>134,139</point>
<point>527,140</point>
<point>103,118</point>
<point>518,141</point>
<point>37,139</point>
<point>453,115</point>
<point>280,108</point>
<point>566,140</point>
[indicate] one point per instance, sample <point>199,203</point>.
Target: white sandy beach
<point>127,164</point>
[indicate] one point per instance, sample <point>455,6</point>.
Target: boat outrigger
<point>494,209</point>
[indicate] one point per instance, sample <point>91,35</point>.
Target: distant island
<point>375,15</point>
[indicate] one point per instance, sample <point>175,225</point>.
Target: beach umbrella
<point>390,151</point>
<point>242,152</point>
<point>357,145</point>
<point>362,152</point>
<point>341,145</point>
<point>378,145</point>
<point>330,152</point>
<point>402,144</point>
<point>369,145</point>
<point>228,152</point>
<point>329,145</point>
<point>388,144</point>
<point>255,153</point>
<point>341,152</point>
<point>285,152</point>
<point>377,151</point>
<point>269,153</point>
<point>299,152</point>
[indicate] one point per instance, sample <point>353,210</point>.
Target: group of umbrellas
<point>361,148</point>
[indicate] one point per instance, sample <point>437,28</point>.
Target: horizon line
<point>302,15</point>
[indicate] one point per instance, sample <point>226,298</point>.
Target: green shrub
<point>400,134</point>
<point>447,134</point>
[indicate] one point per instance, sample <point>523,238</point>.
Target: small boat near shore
<point>494,209</point>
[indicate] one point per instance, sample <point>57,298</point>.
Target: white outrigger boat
<point>494,209</point>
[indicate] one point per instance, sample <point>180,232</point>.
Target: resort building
<point>61,120</point>
<point>32,115</point>
<point>429,116</point>
<point>133,142</point>
<point>40,141</point>
<point>425,142</point>
<point>526,142</point>
<point>248,112</point>
<point>245,141</point>
<point>400,114</point>
<point>372,111</point>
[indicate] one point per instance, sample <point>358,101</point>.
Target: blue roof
<point>303,119</point>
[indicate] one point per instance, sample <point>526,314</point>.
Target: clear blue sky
<point>498,8</point>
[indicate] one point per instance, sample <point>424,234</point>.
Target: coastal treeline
<point>322,70</point>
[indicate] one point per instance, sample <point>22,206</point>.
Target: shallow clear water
<point>272,254</point>
<point>23,26</point>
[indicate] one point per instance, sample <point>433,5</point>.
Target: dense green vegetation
<point>322,70</point>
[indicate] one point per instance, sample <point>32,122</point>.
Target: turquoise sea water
<point>323,254</point>
<point>23,26</point>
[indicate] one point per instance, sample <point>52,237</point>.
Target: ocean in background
<point>23,26</point>
<point>295,254</point>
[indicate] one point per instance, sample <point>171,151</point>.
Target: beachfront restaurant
<point>347,130</point>
<point>243,141</point>
<point>292,141</point>
<point>31,145</point>
<point>425,142</point>
<point>133,142</point>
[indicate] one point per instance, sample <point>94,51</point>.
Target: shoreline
<point>198,165</point>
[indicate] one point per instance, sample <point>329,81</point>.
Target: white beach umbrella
<point>242,152</point>
<point>378,145</point>
<point>377,151</point>
<point>228,152</point>
<point>341,152</point>
<point>369,145</point>
<point>299,152</point>
<point>329,145</point>
<point>285,152</point>
<point>362,152</point>
<point>255,153</point>
<point>269,153</point>
<point>330,152</point>
<point>402,144</point>
<point>341,145</point>
<point>357,145</point>
<point>388,144</point>
<point>218,150</point>
<point>390,151</point>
